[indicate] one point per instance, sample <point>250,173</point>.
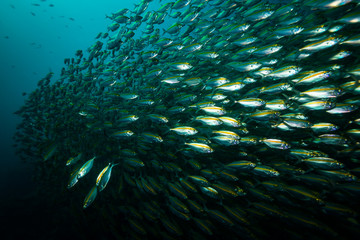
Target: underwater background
<point>179,119</point>
<point>35,40</point>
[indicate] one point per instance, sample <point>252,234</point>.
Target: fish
<point>73,160</point>
<point>90,197</point>
<point>285,72</point>
<point>85,168</point>
<point>184,130</point>
<point>200,147</point>
<point>303,194</point>
<point>323,163</point>
<point>276,143</point>
<point>224,119</point>
<point>73,179</point>
<point>322,44</point>
<point>50,151</point>
<point>104,177</point>
<point>251,102</point>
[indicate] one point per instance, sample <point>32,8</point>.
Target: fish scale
<point>278,142</point>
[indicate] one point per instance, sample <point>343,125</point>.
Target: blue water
<point>33,41</point>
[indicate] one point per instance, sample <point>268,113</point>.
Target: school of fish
<point>209,119</point>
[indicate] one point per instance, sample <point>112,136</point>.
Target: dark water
<point>33,41</point>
